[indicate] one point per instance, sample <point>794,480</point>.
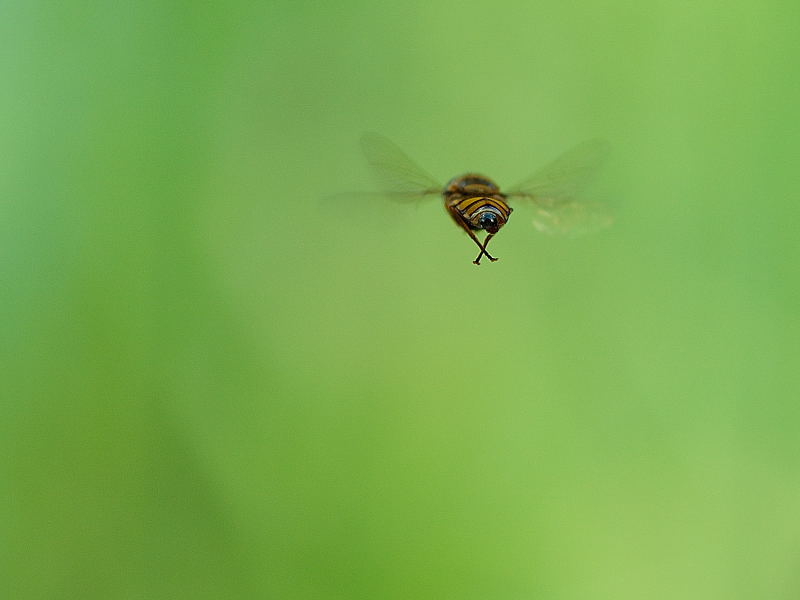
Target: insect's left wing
<point>558,191</point>
<point>399,177</point>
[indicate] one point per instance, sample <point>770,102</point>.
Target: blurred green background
<point>217,385</point>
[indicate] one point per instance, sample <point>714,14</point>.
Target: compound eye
<point>488,220</point>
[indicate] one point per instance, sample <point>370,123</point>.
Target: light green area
<point>217,383</point>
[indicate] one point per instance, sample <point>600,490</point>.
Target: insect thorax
<point>471,184</point>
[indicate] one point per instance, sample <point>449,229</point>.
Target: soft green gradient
<point>215,385</point>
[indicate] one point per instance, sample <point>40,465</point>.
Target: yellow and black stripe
<point>472,208</point>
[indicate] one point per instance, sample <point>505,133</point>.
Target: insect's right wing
<point>398,176</point>
<point>558,191</point>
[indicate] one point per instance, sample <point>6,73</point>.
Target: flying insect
<point>476,203</point>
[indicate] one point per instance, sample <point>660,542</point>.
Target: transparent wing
<point>558,191</point>
<point>565,177</point>
<point>573,218</point>
<point>398,176</point>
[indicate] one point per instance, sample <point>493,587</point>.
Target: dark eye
<point>487,220</point>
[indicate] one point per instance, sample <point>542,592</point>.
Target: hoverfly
<point>476,203</point>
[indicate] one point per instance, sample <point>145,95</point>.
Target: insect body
<point>476,203</point>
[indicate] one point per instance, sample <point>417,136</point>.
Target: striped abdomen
<point>475,201</point>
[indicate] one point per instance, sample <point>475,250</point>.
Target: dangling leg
<point>458,219</point>
<point>482,247</point>
<point>477,261</point>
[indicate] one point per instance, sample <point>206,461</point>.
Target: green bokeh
<point>222,380</point>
